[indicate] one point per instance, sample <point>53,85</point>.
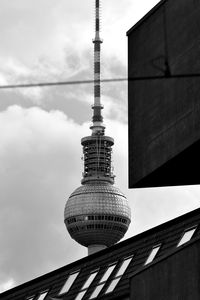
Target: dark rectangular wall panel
<point>173,278</point>
<point>164,96</point>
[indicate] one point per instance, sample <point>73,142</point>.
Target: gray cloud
<point>36,179</point>
<point>57,46</point>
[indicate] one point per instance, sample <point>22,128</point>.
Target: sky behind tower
<point>41,128</point>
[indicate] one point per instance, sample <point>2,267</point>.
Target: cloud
<point>57,45</point>
<point>75,100</point>
<point>29,32</point>
<point>40,166</point>
<point>7,285</point>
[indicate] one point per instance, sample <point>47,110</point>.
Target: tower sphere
<point>97,213</point>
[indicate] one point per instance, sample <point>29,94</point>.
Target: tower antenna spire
<point>97,119</point>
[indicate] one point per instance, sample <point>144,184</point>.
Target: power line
<point>76,82</point>
<point>43,84</point>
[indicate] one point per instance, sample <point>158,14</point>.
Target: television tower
<point>97,214</point>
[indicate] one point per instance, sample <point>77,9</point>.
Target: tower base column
<point>95,248</point>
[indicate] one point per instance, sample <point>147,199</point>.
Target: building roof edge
<point>146,16</point>
<point>85,259</point>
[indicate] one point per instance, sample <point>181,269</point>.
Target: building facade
<point>164,95</point>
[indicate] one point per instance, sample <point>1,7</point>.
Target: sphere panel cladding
<point>107,203</point>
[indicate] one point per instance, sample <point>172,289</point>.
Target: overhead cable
<point>56,83</point>
<point>76,82</point>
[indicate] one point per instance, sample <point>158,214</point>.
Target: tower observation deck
<point>97,214</point>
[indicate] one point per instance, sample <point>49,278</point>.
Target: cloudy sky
<point>41,128</point>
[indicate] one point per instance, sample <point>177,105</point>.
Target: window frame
<point>40,294</point>
<point>152,249</point>
<point>103,281</point>
<point>108,267</point>
<point>184,233</point>
<point>66,280</point>
<point>84,288</point>
<point>111,288</point>
<point>118,277</point>
<point>124,259</point>
<point>79,293</point>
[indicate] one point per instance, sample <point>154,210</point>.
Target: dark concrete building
<point>161,263</point>
<point>164,95</point>
<point>174,276</point>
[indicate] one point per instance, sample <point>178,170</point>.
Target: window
<point>124,266</point>
<point>80,295</point>
<point>107,273</point>
<point>186,236</point>
<point>103,280</point>
<point>152,255</point>
<point>119,274</point>
<point>71,278</point>
<point>97,217</point>
<point>86,285</point>
<point>112,285</point>
<point>42,295</point>
<point>89,280</point>
<point>97,291</point>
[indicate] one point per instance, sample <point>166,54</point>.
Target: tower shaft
<point>97,148</point>
<point>97,107</point>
